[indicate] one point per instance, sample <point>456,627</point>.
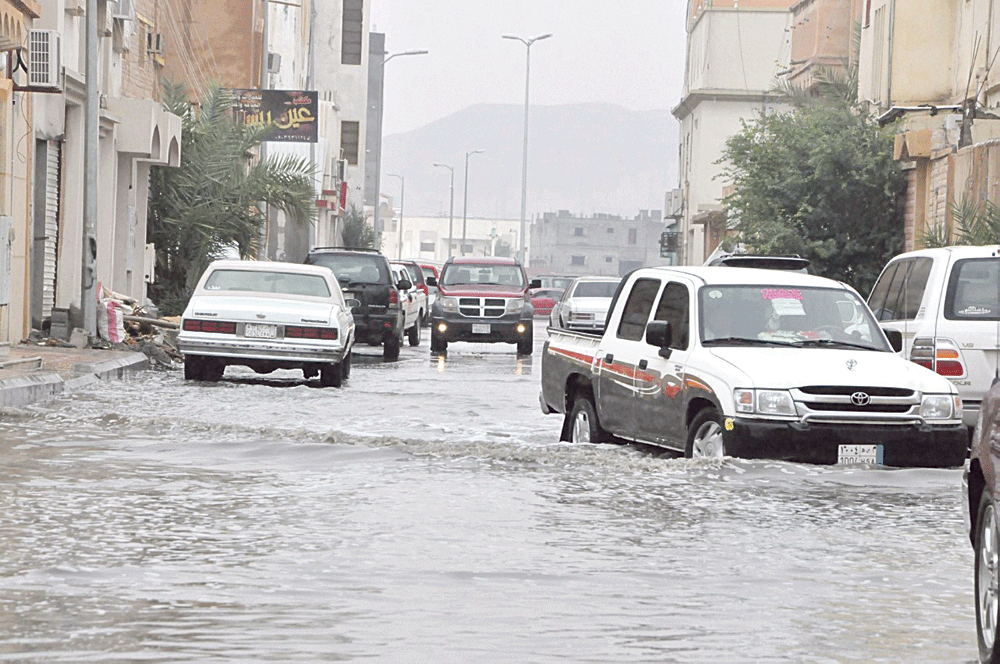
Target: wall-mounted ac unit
<point>123,10</point>
<point>273,63</point>
<point>44,59</point>
<point>154,42</point>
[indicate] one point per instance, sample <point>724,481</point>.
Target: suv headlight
<point>448,303</point>
<point>764,402</point>
<point>515,305</point>
<point>937,406</point>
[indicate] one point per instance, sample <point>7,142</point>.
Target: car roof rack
<point>370,250</point>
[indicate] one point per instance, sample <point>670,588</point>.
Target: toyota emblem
<point>851,364</point>
<point>860,399</point>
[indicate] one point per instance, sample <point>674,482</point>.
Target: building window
<point>578,260</point>
<point>578,231</point>
<point>633,236</point>
<point>611,230</point>
<point>426,246</point>
<point>351,28</point>
<point>609,259</point>
<point>350,135</point>
<point>466,248</point>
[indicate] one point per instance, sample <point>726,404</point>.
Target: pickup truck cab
<point>752,363</point>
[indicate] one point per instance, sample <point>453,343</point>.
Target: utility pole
<point>402,192</point>
<point>89,295</point>
<point>465,201</point>
<point>451,209</point>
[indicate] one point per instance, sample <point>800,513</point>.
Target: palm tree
<point>358,233</point>
<point>212,204</point>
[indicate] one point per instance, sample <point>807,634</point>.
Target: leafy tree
<point>819,181</point>
<point>212,204</point>
<point>358,233</point>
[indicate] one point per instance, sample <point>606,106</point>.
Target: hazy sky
<point>629,52</point>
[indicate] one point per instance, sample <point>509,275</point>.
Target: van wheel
<point>583,424</point>
<point>705,436</point>
<point>413,336</point>
<point>987,577</point>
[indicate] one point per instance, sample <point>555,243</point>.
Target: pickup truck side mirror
<point>534,283</point>
<point>404,284</point>
<point>431,281</point>
<point>895,338</point>
<point>659,334</point>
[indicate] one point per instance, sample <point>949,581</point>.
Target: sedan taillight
<point>214,326</point>
<point>297,332</point>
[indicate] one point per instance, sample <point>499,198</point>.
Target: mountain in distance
<point>584,158</point>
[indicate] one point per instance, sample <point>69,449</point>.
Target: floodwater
<point>427,512</point>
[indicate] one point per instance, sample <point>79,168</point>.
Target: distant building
<point>600,244</point>
<point>427,237</point>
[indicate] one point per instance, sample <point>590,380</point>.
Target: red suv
<point>482,299</point>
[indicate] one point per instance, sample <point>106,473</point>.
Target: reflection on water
<point>427,512</point>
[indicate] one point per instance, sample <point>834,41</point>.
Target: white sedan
<point>267,316</point>
<point>584,305</point>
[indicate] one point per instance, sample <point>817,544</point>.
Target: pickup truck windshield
<point>815,317</point>
<point>493,275</point>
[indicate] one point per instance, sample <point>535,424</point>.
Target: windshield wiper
<point>832,343</point>
<point>744,341</point>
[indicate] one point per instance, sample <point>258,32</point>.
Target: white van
<point>946,303</point>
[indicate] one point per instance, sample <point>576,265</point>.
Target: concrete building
<point>930,68</point>
<point>427,237</point>
<point>603,244</point>
<point>16,165</point>
<point>735,53</point>
<point>135,134</point>
<point>822,39</point>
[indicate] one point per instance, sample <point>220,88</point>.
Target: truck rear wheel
<point>583,424</point>
<point>705,436</point>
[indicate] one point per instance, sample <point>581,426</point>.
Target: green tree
<point>819,181</point>
<point>212,204</point>
<point>358,233</point>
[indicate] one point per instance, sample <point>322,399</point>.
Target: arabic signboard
<point>291,114</point>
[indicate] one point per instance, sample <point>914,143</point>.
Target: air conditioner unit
<point>44,59</point>
<point>273,63</point>
<point>122,10</point>
<point>154,42</point>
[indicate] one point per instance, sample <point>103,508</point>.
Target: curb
<point>34,388</point>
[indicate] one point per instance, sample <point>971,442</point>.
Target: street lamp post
<point>451,209</point>
<point>524,165</point>
<point>465,198</point>
<point>402,191</point>
<point>378,153</point>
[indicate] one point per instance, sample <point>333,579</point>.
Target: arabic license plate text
<point>260,331</point>
<point>855,454</point>
<point>480,328</point>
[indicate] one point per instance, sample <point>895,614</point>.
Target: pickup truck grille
<point>482,307</point>
<point>848,391</point>
<point>864,403</point>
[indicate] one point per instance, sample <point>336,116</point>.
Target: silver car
<point>584,305</point>
<point>267,316</point>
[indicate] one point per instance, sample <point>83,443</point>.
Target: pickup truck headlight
<point>448,303</point>
<point>938,406</point>
<point>764,402</point>
<point>515,305</point>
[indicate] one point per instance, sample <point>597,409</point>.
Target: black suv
<point>364,274</point>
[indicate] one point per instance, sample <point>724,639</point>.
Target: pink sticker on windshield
<point>781,294</point>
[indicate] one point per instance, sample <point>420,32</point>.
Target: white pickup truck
<point>742,362</point>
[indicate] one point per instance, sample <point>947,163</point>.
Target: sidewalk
<point>32,373</point>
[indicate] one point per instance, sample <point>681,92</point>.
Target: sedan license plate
<point>260,331</point>
<point>860,454</point>
<point>480,328</point>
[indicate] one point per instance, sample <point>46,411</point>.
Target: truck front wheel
<point>705,436</point>
<point>583,424</point>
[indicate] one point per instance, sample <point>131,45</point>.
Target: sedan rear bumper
<point>269,350</point>
<point>944,446</point>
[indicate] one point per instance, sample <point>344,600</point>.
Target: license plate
<point>260,331</point>
<point>860,454</point>
<point>480,328</point>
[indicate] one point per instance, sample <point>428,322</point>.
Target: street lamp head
<point>419,52</point>
<point>545,36</point>
<point>474,152</point>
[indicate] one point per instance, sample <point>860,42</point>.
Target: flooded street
<point>427,512</point>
